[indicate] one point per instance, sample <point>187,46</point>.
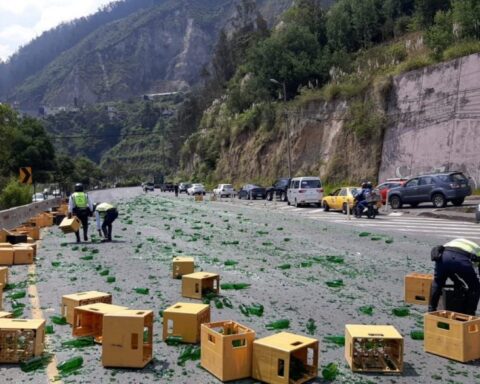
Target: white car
<point>37,197</point>
<point>196,189</point>
<point>224,190</point>
<point>305,190</point>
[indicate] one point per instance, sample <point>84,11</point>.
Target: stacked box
<point>5,315</point>
<point>6,256</point>
<point>2,287</point>
<point>17,238</point>
<point>285,358</point>
<point>374,348</point>
<point>46,219</point>
<point>226,350</point>
<point>182,266</point>
<point>3,235</point>
<point>4,275</point>
<point>22,254</point>
<point>184,320</point>
<point>195,285</point>
<point>88,319</point>
<point>452,335</point>
<point>21,339</point>
<point>70,225</point>
<point>418,287</point>
<point>127,339</point>
<point>58,218</point>
<point>33,232</point>
<point>28,245</point>
<point>69,302</point>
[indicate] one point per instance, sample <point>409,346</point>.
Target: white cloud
<point>23,20</point>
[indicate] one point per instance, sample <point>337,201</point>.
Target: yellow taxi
<point>339,199</point>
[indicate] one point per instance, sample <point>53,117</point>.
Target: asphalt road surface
<point>280,251</point>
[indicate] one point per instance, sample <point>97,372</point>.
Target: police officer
<point>456,260</point>
<point>80,205</point>
<point>105,215</point>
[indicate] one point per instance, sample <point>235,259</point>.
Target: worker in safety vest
<point>105,215</point>
<point>80,205</point>
<point>457,260</point>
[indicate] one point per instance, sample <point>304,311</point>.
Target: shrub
<point>15,195</point>
<point>414,63</point>
<point>461,49</point>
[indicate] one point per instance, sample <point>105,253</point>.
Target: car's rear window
<point>453,177</point>
<point>228,186</point>
<point>310,184</point>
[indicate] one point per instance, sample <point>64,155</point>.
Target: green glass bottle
<point>366,310</point>
<point>311,327</point>
<point>227,303</point>
<point>243,308</point>
<point>417,335</point>
<point>335,283</point>
<point>401,312</point>
<point>218,303</point>
<point>49,329</point>
<point>17,295</point>
<point>142,291</point>
<point>279,324</point>
<point>111,279</point>
<point>56,264</point>
<point>70,365</point>
<point>16,304</point>
<point>59,320</point>
<point>105,272</point>
<point>80,342</point>
<point>16,313</point>
<point>330,372</point>
<point>35,363</point>
<point>173,340</point>
<point>190,352</point>
<point>338,340</point>
<point>256,309</point>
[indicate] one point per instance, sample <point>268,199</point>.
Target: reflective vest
<point>465,245</point>
<point>80,199</point>
<point>103,208</point>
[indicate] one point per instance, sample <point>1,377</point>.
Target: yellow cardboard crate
<point>195,285</point>
<point>374,348</point>
<point>30,245</point>
<point>6,256</point>
<point>5,315</point>
<point>418,287</point>
<point>23,254</point>
<point>88,319</point>
<point>21,339</point>
<point>198,197</point>
<point>69,302</point>
<point>226,350</point>
<point>4,275</point>
<point>33,232</point>
<point>184,320</point>
<point>452,335</point>
<point>182,266</point>
<point>70,225</point>
<point>127,339</point>
<point>285,358</point>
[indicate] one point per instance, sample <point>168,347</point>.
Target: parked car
<point>56,192</point>
<point>252,192</point>
<point>224,190</point>
<point>167,187</point>
<point>340,199</point>
<point>182,188</point>
<point>305,190</point>
<point>278,189</point>
<point>196,189</point>
<point>37,197</point>
<point>387,185</point>
<point>439,188</point>
<point>148,187</point>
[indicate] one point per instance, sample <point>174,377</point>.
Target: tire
<point>326,207</point>
<point>344,208</point>
<point>249,196</point>
<point>288,202</point>
<point>458,202</point>
<point>283,196</point>
<point>239,197</point>
<point>204,193</point>
<point>295,204</point>
<point>371,213</point>
<point>439,200</point>
<point>270,196</point>
<point>396,202</point>
<point>414,205</point>
<point>318,205</point>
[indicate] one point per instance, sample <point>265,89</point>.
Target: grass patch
<point>461,49</point>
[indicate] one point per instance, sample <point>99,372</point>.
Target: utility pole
<point>287,126</point>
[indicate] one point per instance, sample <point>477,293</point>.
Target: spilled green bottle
<point>330,372</point>
<point>16,313</point>
<point>417,335</point>
<point>70,365</point>
<point>173,340</point>
<point>335,283</point>
<point>366,310</point>
<point>279,324</point>
<point>35,363</point>
<point>59,320</point>
<point>243,308</point>
<point>218,303</point>
<point>227,303</point>
<point>190,352</point>
<point>56,264</point>
<point>105,272</point>
<point>111,279</point>
<point>16,304</point>
<point>142,291</point>
<point>311,327</point>
<point>337,340</point>
<point>256,309</point>
<point>17,295</point>
<point>80,342</point>
<point>49,329</point>
<point>401,312</point>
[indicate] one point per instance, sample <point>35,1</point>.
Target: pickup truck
<point>279,189</point>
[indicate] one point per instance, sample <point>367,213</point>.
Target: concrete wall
<point>13,217</point>
<point>434,118</point>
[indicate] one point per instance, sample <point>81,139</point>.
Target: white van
<point>305,190</point>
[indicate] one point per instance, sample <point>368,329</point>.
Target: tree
<point>440,35</point>
<point>310,14</point>
<point>466,14</point>
<point>88,172</point>
<point>366,22</point>
<point>426,10</point>
<point>340,29</point>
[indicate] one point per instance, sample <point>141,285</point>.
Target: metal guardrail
<point>13,217</point>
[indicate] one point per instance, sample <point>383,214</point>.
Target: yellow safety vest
<point>80,199</point>
<point>465,245</point>
<point>103,208</point>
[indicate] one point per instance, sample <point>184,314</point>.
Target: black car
<point>278,189</point>
<point>182,188</point>
<point>439,188</point>
<point>252,192</point>
<point>167,187</point>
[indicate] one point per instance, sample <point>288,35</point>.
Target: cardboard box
<point>285,358</point>
<point>226,350</point>
<point>6,256</point>
<point>30,245</point>
<point>4,275</point>
<point>58,218</point>
<point>21,339</point>
<point>22,255</point>
<point>46,219</point>
<point>452,335</point>
<point>198,197</point>
<point>1,295</point>
<point>69,302</point>
<point>127,339</point>
<point>195,285</point>
<point>417,288</point>
<point>63,209</point>
<point>17,238</point>
<point>5,315</point>
<point>184,320</point>
<point>374,348</point>
<point>70,225</point>
<point>182,266</point>
<point>88,319</point>
<point>33,232</point>
<point>3,235</point>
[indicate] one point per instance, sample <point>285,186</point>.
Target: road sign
<point>25,175</point>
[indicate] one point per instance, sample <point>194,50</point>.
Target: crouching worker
<point>105,214</point>
<point>457,260</point>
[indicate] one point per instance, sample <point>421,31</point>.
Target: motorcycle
<point>369,210</point>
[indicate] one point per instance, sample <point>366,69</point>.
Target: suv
<point>386,186</point>
<point>167,187</point>
<point>148,187</point>
<point>224,190</point>
<point>439,188</point>
<point>305,190</point>
<point>279,189</point>
<point>183,187</point>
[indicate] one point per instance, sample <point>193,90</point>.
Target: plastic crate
<point>21,339</point>
<point>182,266</point>
<point>374,348</point>
<point>417,288</point>
<point>69,302</point>
<point>226,350</point>
<point>285,358</point>
<point>184,320</point>
<point>88,319</point>
<point>195,285</point>
<point>127,339</point>
<point>452,335</point>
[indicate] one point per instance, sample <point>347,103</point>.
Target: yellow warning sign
<point>25,175</point>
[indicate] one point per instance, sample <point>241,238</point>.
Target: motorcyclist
<point>361,197</point>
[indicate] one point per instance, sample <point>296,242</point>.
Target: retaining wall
<point>13,217</point>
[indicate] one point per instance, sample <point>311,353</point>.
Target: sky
<point>23,20</point>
